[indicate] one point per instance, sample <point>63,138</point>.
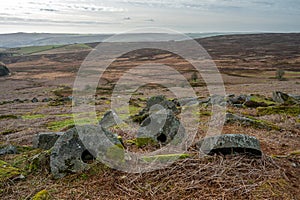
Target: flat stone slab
<point>230,144</point>
<point>45,140</point>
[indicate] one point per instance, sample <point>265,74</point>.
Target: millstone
<point>230,144</point>
<point>71,155</point>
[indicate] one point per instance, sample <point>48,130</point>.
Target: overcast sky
<point>110,16</point>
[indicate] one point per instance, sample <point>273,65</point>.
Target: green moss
<point>144,99</point>
<point>165,158</point>
<point>288,110</point>
<point>8,117</point>
<point>59,125</point>
<point>258,123</point>
<point>7,171</point>
<point>140,142</point>
<point>261,100</point>
<point>41,195</point>
<point>36,49</point>
<point>37,116</point>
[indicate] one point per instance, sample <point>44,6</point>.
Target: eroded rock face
<point>45,140</point>
<point>4,71</point>
<point>160,127</point>
<point>70,154</point>
<point>230,144</point>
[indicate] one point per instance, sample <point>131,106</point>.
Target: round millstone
<point>230,144</point>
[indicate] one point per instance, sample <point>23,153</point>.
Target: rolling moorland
<point>37,97</point>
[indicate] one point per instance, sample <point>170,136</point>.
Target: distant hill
<point>43,39</point>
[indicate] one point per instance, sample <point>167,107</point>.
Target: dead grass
<point>213,177</point>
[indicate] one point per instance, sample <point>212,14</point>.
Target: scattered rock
<point>10,149</point>
<point>186,101</point>
<point>284,98</point>
<point>160,127</point>
<point>255,101</point>
<point>280,97</point>
<point>239,100</point>
<point>154,103</point>
<point>70,155</point>
<point>109,119</point>
<point>45,140</point>
<point>230,144</point>
<point>4,71</point>
<point>66,155</point>
<point>232,118</point>
<point>46,99</point>
<point>34,100</point>
<point>218,100</point>
<point>18,101</point>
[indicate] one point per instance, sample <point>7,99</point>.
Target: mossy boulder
<point>249,121</point>
<point>286,99</point>
<point>7,171</point>
<point>255,101</point>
